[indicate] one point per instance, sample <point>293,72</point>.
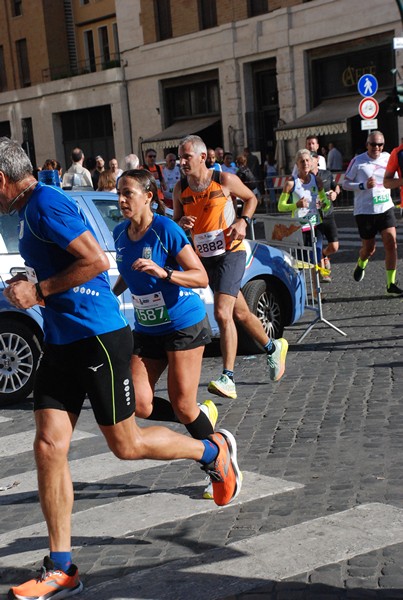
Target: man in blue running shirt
<point>87,351</point>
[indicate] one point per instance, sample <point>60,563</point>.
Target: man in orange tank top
<point>203,205</point>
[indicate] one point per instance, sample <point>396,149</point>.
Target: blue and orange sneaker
<point>50,583</point>
<point>224,471</point>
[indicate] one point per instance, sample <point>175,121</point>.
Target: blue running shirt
<point>49,222</point>
<point>160,306</point>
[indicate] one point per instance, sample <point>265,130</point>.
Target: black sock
<point>162,411</point>
<point>228,373</point>
<point>201,427</point>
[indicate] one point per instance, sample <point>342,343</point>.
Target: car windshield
<point>9,234</point>
<point>110,212</point>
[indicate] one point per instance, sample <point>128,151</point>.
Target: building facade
<point>62,84</point>
<point>120,76</point>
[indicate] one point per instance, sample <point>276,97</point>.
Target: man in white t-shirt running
<point>373,208</point>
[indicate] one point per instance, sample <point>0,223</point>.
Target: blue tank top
<point>49,222</point>
<point>160,306</point>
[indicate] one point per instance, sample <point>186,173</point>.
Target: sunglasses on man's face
<point>375,144</point>
<point>152,156</point>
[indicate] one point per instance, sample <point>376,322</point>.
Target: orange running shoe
<point>50,584</point>
<point>224,471</point>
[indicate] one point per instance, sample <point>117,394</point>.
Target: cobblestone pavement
<point>334,424</point>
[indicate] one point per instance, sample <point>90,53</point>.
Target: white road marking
<point>17,443</point>
<point>254,562</point>
<point>83,470</point>
<point>123,517</point>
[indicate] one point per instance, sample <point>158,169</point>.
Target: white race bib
<point>379,195</point>
<point>150,309</point>
<point>211,243</point>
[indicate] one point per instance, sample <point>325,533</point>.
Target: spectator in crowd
<point>156,171</point>
<point>51,172</point>
<point>219,155</point>
<point>270,171</point>
<point>252,162</point>
<point>114,168</point>
<point>172,174</point>
<point>312,144</point>
<point>131,162</point>
<point>373,208</point>
<point>77,175</point>
<point>53,164</point>
<point>228,164</point>
<point>334,158</point>
<point>211,161</point>
<point>107,182</point>
<point>244,173</point>
<point>99,168</point>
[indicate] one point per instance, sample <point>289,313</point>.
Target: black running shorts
<point>156,346</point>
<point>328,228</point>
<point>370,225</point>
<point>98,366</point>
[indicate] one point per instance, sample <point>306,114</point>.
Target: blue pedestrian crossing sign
<point>367,85</point>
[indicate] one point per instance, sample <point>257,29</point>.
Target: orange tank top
<point>215,213</point>
<point>157,174</point>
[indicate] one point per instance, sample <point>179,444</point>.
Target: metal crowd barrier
<point>286,233</point>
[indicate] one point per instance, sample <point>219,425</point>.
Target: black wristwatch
<point>246,219</point>
<point>168,271</point>
<point>361,186</point>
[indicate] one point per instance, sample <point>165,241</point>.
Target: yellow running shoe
<point>223,386</point>
<point>210,410</point>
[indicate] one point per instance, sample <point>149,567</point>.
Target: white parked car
<point>272,285</point>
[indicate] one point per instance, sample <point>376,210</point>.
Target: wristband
<point>361,186</point>
<point>39,291</point>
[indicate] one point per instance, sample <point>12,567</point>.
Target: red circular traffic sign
<point>368,108</point>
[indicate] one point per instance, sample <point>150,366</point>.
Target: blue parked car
<point>272,285</point>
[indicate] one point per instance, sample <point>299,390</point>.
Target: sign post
<point>368,108</point>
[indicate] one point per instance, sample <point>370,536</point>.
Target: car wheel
<point>265,300</point>
<point>19,355</point>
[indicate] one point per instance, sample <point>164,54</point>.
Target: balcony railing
<point>82,67</point>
